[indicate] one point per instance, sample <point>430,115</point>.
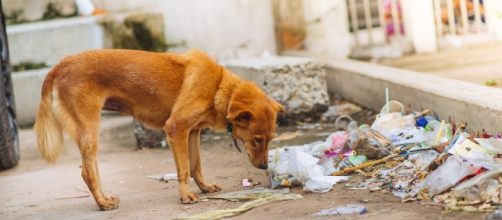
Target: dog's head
<point>253,116</point>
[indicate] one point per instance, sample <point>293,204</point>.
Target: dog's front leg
<point>195,164</point>
<point>178,140</point>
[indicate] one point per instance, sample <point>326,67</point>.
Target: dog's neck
<point>228,85</point>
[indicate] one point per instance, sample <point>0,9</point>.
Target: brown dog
<point>178,93</point>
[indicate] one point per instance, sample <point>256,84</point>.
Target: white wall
<point>327,27</point>
<point>224,28</point>
<point>493,13</point>
<point>420,27</point>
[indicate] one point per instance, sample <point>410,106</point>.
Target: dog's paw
<point>189,198</point>
<point>109,203</point>
<point>209,188</point>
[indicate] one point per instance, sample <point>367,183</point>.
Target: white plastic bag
<point>304,168</point>
<point>408,135</point>
<point>393,120</point>
<point>447,175</point>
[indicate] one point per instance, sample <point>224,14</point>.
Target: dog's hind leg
<point>195,164</point>
<point>85,113</point>
<point>88,139</point>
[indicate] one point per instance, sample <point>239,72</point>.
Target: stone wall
<point>139,31</point>
<point>297,83</point>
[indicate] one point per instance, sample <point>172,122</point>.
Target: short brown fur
<point>180,93</point>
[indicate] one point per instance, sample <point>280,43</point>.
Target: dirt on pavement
<point>37,190</point>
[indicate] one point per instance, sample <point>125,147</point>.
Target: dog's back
<point>142,84</point>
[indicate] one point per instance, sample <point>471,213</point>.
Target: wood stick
<point>73,197</point>
<point>364,165</point>
<point>424,112</point>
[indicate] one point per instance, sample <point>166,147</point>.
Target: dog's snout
<point>263,166</point>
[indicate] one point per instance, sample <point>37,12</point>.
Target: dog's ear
<point>276,106</point>
<point>239,115</point>
<point>241,118</point>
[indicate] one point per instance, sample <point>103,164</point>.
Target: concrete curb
<point>365,83</point>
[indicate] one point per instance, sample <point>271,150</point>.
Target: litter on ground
<point>164,177</point>
<point>254,198</point>
<point>349,209</point>
<point>414,155</point>
<point>288,136</point>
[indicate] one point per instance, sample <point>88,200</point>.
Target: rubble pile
<point>416,156</point>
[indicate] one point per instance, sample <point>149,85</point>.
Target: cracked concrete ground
<point>36,190</point>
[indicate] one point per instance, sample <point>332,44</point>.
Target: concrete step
<point>27,91</point>
<point>45,43</point>
<point>48,41</point>
<point>23,11</point>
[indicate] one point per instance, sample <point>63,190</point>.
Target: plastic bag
<point>408,135</point>
<point>357,159</point>
<point>392,117</point>
<point>424,159</point>
<point>336,143</point>
<point>433,128</point>
<point>393,120</point>
<point>349,209</point>
<point>392,106</point>
<point>447,175</point>
<point>372,144</point>
<point>492,145</point>
<point>304,168</point>
<point>468,149</point>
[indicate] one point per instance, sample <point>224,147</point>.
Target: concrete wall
<point>224,28</point>
<point>27,89</point>
<point>493,13</point>
<point>327,28</point>
<point>420,26</point>
<point>289,24</point>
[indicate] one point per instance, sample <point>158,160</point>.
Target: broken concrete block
<point>297,83</point>
<point>18,11</point>
<point>147,137</point>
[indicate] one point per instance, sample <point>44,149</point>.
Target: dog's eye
<point>258,140</point>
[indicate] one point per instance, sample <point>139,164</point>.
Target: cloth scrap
<point>164,177</point>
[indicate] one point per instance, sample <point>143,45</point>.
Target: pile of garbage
<point>416,156</point>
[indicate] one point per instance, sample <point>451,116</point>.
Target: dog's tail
<point>47,128</point>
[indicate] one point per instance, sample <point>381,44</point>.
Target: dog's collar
<point>230,129</point>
